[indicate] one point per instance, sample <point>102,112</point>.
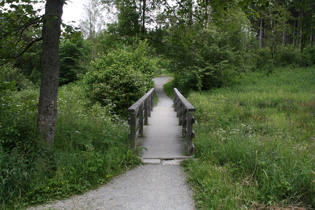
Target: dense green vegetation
<point>89,148</point>
<point>255,122</point>
<point>255,142</point>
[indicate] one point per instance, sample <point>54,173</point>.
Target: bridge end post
<point>185,112</point>
<point>190,132</point>
<point>132,135</point>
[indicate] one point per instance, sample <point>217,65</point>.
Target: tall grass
<point>255,142</point>
<point>91,147</point>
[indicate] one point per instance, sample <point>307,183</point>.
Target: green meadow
<point>255,142</point>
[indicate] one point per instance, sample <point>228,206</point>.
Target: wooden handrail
<point>184,111</point>
<point>139,114</point>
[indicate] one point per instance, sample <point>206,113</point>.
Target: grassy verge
<point>169,89</point>
<point>164,73</point>
<point>255,142</point>
<point>90,148</point>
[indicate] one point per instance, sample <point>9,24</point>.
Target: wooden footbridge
<point>163,131</point>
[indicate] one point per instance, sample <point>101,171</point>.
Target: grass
<point>169,89</point>
<point>164,73</point>
<point>255,142</point>
<point>90,148</point>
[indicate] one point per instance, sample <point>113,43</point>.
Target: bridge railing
<point>185,111</point>
<point>139,114</point>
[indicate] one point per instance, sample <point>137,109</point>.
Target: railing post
<point>184,121</point>
<point>184,112</point>
<point>133,130</point>
<point>151,103</point>
<point>190,133</point>
<point>146,111</point>
<point>141,119</point>
<point>139,113</point>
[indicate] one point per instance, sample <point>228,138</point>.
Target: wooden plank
<point>138,103</point>
<point>185,102</point>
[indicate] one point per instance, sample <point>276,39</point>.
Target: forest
<point>65,91</point>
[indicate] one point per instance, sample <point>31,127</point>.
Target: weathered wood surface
<point>185,111</point>
<point>139,114</point>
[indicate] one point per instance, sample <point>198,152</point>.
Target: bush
<point>119,79</point>
<point>89,148</point>
<point>209,77</point>
<point>309,56</point>
<point>72,56</point>
<point>210,63</point>
<point>289,56</point>
<point>263,59</point>
<point>215,68</point>
<point>12,74</point>
<point>20,147</point>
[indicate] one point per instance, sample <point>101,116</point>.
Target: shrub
<point>209,77</point>
<point>12,74</point>
<point>71,57</point>
<point>89,148</point>
<point>308,56</point>
<point>119,79</point>
<point>19,145</point>
<point>263,59</point>
<point>211,63</point>
<point>289,56</point>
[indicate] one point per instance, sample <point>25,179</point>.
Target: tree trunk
<point>50,63</point>
<point>144,6</point>
<point>260,31</point>
<point>311,31</point>
<point>301,30</point>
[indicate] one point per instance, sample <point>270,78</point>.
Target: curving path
<point>158,186</point>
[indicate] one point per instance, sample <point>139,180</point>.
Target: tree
<point>15,22</point>
<point>73,54</point>
<point>92,23</point>
<point>47,109</point>
<point>19,23</point>
<point>128,19</point>
<point>93,19</point>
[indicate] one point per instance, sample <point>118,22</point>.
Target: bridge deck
<point>162,137</point>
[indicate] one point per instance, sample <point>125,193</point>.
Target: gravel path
<point>159,185</point>
<point>147,187</point>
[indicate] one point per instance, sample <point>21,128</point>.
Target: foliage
<point>169,88</point>
<point>308,56</point>
<point>209,57</point>
<point>290,56</point>
<point>19,146</point>
<point>287,56</point>
<point>89,149</point>
<point>128,24</point>
<point>10,74</point>
<point>214,63</point>
<point>263,60</point>
<point>72,56</point>
<point>259,137</point>
<point>120,78</point>
<point>19,26</point>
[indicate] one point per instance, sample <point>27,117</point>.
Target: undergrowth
<point>255,142</point>
<point>91,147</point>
<point>169,89</point>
